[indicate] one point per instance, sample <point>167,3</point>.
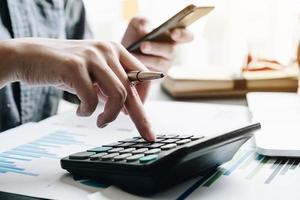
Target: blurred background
<point>264,28</point>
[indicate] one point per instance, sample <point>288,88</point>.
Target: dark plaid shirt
<point>19,102</point>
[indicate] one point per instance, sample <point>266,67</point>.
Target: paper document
<point>30,158</point>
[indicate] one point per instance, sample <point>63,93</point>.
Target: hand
<point>79,67</point>
<point>157,56</point>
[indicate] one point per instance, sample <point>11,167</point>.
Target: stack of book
<point>184,82</point>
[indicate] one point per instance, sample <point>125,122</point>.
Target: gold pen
<point>144,75</point>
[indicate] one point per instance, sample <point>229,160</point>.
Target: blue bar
<point>30,149</point>
<point>33,151</point>
<point>30,154</point>
<point>45,145</point>
<point>60,135</point>
<point>15,158</point>
<point>61,139</point>
<point>68,133</point>
<point>31,146</point>
<point>11,167</point>
<point>21,154</point>
<point>5,161</point>
<point>17,171</point>
<point>236,164</point>
<point>54,141</point>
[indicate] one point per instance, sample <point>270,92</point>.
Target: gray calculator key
<point>129,140</point>
<point>122,156</point>
<point>115,150</point>
<point>134,157</point>
<point>196,137</point>
<point>155,145</point>
<point>129,150</point>
<point>97,156</point>
<point>181,142</point>
<point>168,136</point>
<point>138,151</point>
<point>126,144</point>
<point>100,149</point>
<point>170,140</point>
<point>81,155</point>
<point>168,146</point>
<point>109,156</point>
<point>184,136</point>
<point>152,151</point>
<point>112,144</point>
<point>140,145</point>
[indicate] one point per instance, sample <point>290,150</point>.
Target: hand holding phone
<point>182,19</point>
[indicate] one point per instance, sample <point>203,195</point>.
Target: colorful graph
<point>242,161</point>
<point>36,149</point>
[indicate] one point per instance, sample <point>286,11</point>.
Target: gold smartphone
<point>182,19</point>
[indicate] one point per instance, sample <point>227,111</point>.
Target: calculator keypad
<point>136,149</point>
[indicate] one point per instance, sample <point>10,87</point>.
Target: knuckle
<point>74,64</point>
<point>90,51</point>
<point>121,93</point>
<point>103,46</point>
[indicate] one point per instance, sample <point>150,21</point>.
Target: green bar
<point>213,178</point>
<point>257,168</point>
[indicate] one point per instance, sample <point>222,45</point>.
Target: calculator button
<point>168,146</point>
<point>122,156</point>
<point>152,151</point>
<point>168,136</point>
<point>81,155</point>
<point>129,140</point>
<point>138,151</point>
<point>115,150</point>
<point>141,140</point>
<point>181,142</point>
<point>112,144</point>
<point>109,156</point>
<point>140,145</point>
<point>196,137</point>
<point>184,136</point>
<point>170,141</point>
<point>148,158</point>
<point>159,135</point>
<point>134,157</point>
<point>127,144</point>
<point>129,150</point>
<point>100,149</point>
<point>155,145</point>
<point>97,156</point>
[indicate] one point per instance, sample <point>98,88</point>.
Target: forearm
<point>7,63</point>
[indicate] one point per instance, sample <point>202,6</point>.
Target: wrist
<point>8,62</point>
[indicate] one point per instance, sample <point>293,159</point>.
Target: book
<point>182,82</point>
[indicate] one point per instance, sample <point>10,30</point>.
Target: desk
<point>156,93</point>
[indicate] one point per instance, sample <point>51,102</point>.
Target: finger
<point>133,102</point>
<point>181,35</point>
<point>113,90</point>
<point>141,25</point>
<point>85,92</point>
<point>154,63</point>
<point>165,50</point>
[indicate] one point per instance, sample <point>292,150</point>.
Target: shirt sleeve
<point>77,26</point>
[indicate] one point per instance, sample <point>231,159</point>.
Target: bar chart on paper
<point>247,171</point>
<point>39,148</point>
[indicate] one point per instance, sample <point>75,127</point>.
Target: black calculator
<point>144,168</point>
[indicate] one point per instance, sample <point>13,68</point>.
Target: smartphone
<point>182,19</point>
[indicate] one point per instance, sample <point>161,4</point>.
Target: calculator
<point>144,168</point>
